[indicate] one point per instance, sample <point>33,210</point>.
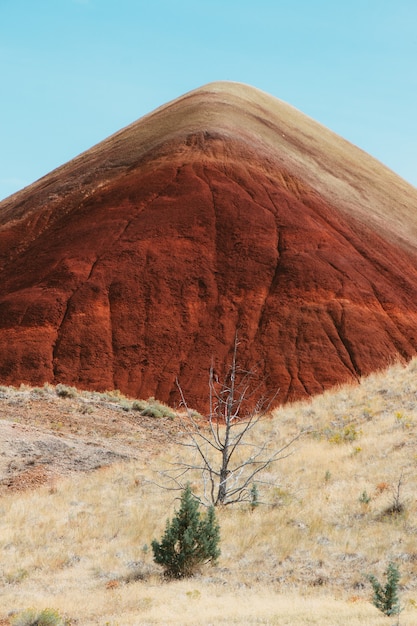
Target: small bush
<point>65,391</point>
<point>386,598</point>
<point>151,411</point>
<point>254,496</point>
<point>114,394</point>
<point>189,540</point>
<point>347,433</point>
<point>139,405</point>
<point>17,576</point>
<point>157,409</point>
<point>33,617</point>
<point>364,498</point>
<point>340,431</point>
<point>125,405</point>
<point>86,410</point>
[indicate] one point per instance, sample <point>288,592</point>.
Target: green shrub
<point>65,391</point>
<point>33,617</point>
<point>254,496</point>
<point>125,405</point>
<point>189,539</point>
<point>151,411</point>
<point>139,405</point>
<point>386,598</point>
<point>154,408</point>
<point>364,498</point>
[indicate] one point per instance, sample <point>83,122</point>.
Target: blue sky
<point>74,71</point>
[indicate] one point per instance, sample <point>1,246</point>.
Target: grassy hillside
<point>81,544</point>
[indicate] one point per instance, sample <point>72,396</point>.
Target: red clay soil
<point>131,267</point>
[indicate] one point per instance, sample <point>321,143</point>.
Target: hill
<point>227,210</point>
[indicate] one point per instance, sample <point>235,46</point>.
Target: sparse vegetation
<point>16,576</point>
<point>148,408</point>
<point>189,539</point>
<point>81,546</point>
<point>32,617</point>
<point>340,431</point>
<point>254,496</point>
<point>139,405</point>
<point>397,506</point>
<point>65,391</point>
<point>226,458</point>
<point>364,498</point>
<point>386,597</point>
<point>153,408</point>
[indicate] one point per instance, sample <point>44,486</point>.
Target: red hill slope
<point>135,263</point>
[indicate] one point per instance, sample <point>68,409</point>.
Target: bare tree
<point>224,450</point>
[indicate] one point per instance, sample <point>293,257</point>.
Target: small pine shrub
<point>364,498</point>
<point>254,496</point>
<point>33,617</point>
<point>386,598</point>
<point>189,539</point>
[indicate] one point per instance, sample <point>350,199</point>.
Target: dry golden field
<point>79,541</point>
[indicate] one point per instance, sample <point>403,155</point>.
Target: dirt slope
<point>44,436</point>
<point>135,263</point>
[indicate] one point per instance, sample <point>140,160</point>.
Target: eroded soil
<point>44,437</point>
<point>133,266</point>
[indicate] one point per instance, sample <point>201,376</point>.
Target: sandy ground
<point>43,436</point>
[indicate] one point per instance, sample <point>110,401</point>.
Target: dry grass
<point>81,545</point>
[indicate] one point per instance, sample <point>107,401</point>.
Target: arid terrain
<point>224,219</point>
<point>44,436</point>
<point>226,210</point>
<point>80,505</point>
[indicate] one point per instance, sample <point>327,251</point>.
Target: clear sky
<point>72,72</point>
